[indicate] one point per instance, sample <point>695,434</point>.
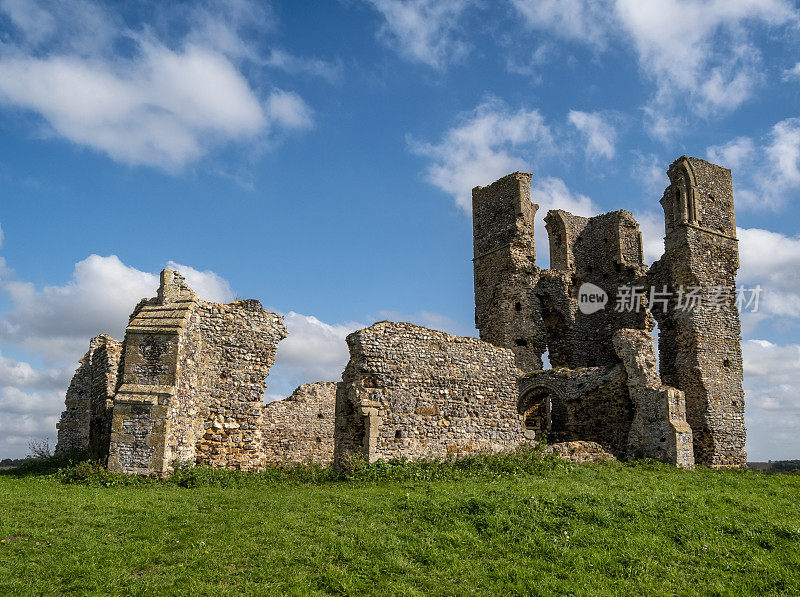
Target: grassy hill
<point>514,524</point>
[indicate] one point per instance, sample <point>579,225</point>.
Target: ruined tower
<point>604,251</point>
<point>505,268</point>
<point>699,342</point>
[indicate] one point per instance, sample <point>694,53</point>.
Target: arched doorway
<point>543,414</point>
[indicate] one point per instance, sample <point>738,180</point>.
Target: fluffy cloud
<point>769,259</point>
<point>651,225</point>
<point>578,20</point>
<point>649,170</point>
<point>733,154</point>
<point>599,133</point>
<point>773,166</point>
<point>155,104</point>
<point>313,351</point>
<point>423,30</point>
<point>772,395</point>
<point>479,148</point>
<point>699,49</point>
<point>314,67</point>
<point>697,53</point>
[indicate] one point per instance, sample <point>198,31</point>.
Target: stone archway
<point>543,413</point>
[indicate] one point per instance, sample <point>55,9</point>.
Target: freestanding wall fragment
<point>193,379</point>
<point>699,347</point>
<point>417,393</point>
<point>659,429</point>
<point>506,309</point>
<point>85,424</point>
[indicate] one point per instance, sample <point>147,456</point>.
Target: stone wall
<point>582,404</point>
<point>659,428</point>
<point>506,309</point>
<point>147,421</point>
<point>606,252</point>
<point>240,341</point>
<point>85,424</point>
<point>700,349</point>
<point>528,310</point>
<point>410,392</point>
<point>193,380</point>
<point>300,428</point>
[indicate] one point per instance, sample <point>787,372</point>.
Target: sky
<point>319,156</point>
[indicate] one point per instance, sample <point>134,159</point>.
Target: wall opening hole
<point>398,434</point>
<point>517,306</point>
<point>726,362</point>
<point>521,342</point>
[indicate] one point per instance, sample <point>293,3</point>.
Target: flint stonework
<point>187,383</point>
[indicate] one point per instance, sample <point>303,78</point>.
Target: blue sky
<point>320,156</point>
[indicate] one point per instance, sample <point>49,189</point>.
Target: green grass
<point>500,525</point>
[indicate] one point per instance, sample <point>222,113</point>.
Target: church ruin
<point>187,382</point>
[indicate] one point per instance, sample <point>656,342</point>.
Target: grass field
<point>488,525</point>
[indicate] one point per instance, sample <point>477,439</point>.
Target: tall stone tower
<point>699,347</point>
<point>505,269</point>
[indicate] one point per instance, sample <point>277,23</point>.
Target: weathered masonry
<point>605,385</point>
<point>86,422</point>
<point>417,393</point>
<point>187,385</point>
<point>300,428</point>
<point>187,382</point>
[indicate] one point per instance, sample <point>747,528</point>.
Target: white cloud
<point>529,66</point>
<point>56,322</point>
<point>698,53</point>
<point>770,260</point>
<point>36,23</point>
<point>599,132</point>
<point>734,154</point>
<point>768,174</point>
<point>772,398</point>
<point>423,30</point>
<point>313,351</point>
<point>580,20</point>
<point>651,225</point>
<point>479,149</point>
<point>649,170</point>
<point>314,67</point>
<point>783,154</point>
<point>22,375</point>
<point>792,73</point>
<point>289,110</point>
<point>157,105</point>
<point>553,193</point>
